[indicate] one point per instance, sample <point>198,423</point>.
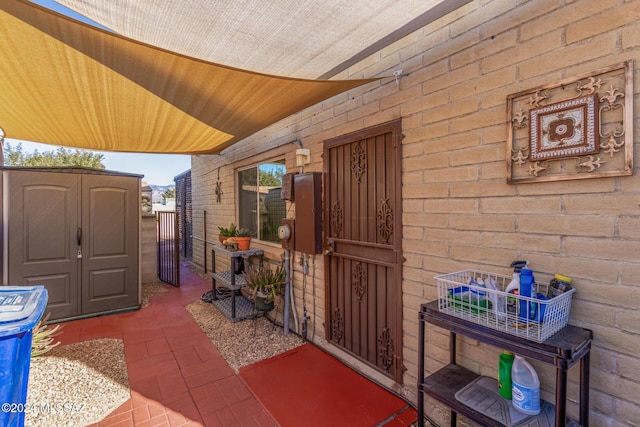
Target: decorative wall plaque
<point>580,127</point>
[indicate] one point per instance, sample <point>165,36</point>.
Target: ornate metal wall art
<point>385,349</point>
<point>336,219</point>
<point>218,190</point>
<point>580,127</point>
<point>358,161</point>
<point>359,280</point>
<point>385,221</point>
<point>563,129</point>
<point>337,326</point>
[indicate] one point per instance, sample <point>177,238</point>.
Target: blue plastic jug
<point>526,290</point>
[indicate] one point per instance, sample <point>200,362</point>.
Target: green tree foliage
<point>268,175</point>
<point>272,177</point>
<point>60,157</point>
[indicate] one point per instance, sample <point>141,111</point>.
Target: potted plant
<point>225,233</point>
<point>243,238</point>
<point>265,284</point>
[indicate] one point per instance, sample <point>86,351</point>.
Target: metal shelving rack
<point>569,346</point>
<point>236,307</point>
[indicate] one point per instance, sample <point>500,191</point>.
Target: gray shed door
<point>110,210</point>
<point>77,234</point>
<point>44,215</point>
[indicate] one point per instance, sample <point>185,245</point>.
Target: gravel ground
<point>151,289</point>
<point>82,383</point>
<point>242,343</point>
<point>77,384</point>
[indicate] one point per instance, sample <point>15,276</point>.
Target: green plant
<point>43,337</point>
<point>244,232</point>
<point>265,281</point>
<point>228,232</point>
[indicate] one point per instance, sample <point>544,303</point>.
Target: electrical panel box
<point>308,204</point>
<point>286,192</point>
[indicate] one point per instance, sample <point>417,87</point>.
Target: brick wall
<point>459,212</point>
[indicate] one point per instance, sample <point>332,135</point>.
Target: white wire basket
<point>534,318</point>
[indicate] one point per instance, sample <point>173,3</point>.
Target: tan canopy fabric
<point>308,39</point>
<point>66,83</point>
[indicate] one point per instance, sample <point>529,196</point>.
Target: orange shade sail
<point>66,83</point>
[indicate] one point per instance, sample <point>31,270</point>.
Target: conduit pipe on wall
<point>287,290</point>
<point>299,141</point>
<point>293,303</point>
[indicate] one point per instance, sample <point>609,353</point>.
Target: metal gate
<point>184,210</point>
<point>363,236</point>
<point>168,248</point>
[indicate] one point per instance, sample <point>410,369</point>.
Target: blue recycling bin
<point>20,309</point>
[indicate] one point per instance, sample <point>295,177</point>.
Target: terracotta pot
<point>243,243</point>
<point>222,238</point>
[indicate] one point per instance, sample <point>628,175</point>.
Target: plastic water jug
<point>525,387</point>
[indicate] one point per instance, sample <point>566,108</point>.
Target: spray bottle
<point>514,285</point>
<point>527,282</point>
<point>498,302</point>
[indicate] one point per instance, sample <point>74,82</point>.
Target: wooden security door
<point>363,240</point>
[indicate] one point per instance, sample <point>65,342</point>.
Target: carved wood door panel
<point>363,240</point>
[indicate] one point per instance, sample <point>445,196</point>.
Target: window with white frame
<point>260,208</point>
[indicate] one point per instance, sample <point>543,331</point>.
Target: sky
<point>158,169</point>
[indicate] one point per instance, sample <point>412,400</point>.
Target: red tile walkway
<point>176,376</point>
<point>312,382</point>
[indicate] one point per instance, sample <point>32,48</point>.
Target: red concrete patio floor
<point>178,378</point>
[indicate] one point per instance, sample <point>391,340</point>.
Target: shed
<point>77,232</point>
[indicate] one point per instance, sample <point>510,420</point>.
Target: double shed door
<point>76,234</point>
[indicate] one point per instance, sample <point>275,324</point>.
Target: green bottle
<point>504,374</point>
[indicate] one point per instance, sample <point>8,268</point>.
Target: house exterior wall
<point>458,210</point>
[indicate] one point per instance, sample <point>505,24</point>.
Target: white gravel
<point>77,384</point>
<point>242,343</point>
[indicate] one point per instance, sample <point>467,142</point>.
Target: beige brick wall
<point>459,211</point>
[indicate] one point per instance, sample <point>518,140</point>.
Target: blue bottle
<point>526,290</point>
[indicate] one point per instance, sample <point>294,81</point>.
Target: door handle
<point>79,237</point>
<point>329,250</point>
